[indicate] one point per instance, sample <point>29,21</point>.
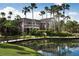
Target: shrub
<point>51,33</point>
<point>48,32</point>
<point>37,32</point>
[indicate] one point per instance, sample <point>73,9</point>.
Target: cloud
<point>73,13</point>
<point>58,4</point>
<point>14,11</point>
<point>17,12</point>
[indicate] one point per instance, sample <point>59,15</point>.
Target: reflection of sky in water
<point>54,48</point>
<point>61,51</point>
<point>75,51</point>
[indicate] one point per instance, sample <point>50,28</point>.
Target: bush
<point>37,32</point>
<point>64,34</point>
<point>51,33</point>
<point>48,32</point>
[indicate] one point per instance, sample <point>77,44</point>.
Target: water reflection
<point>53,48</point>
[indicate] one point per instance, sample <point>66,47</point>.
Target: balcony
<point>31,26</point>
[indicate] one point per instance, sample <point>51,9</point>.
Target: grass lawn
<point>15,50</point>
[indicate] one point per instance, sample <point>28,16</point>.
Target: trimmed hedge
<point>37,32</point>
<point>49,33</point>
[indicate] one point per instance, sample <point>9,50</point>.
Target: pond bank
<point>16,50</point>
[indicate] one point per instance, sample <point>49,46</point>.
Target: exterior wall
<point>47,23</point>
<point>42,24</point>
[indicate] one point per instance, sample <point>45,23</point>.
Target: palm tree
<point>32,7</point>
<point>25,10</point>
<point>67,17</point>
<point>17,17</point>
<point>58,15</point>
<point>42,13</point>
<point>3,14</point>
<point>65,6</point>
<point>62,25</point>
<point>2,20</point>
<point>55,10</point>
<point>50,11</point>
<point>46,10</point>
<point>10,14</point>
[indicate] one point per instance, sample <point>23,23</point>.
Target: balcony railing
<point>31,26</point>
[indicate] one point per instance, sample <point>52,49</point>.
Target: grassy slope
<point>14,50</point>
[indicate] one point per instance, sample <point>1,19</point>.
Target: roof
<point>27,19</point>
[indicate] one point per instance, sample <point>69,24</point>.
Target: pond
<point>53,48</point>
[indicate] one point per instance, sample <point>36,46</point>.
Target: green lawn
<point>15,50</point>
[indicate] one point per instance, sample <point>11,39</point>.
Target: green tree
<point>70,25</point>
<point>42,13</point>
<point>3,14</point>
<point>10,14</point>
<point>65,7</point>
<point>25,11</point>
<point>10,28</point>
<point>46,10</point>
<point>32,7</point>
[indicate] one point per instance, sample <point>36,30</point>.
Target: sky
<point>16,8</point>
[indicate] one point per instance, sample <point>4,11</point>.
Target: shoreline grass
<point>16,50</point>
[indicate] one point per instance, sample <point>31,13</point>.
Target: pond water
<point>53,48</point>
<point>60,50</point>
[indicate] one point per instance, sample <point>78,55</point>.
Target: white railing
<point>31,26</point>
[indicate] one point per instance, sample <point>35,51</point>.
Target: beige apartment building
<point>42,24</point>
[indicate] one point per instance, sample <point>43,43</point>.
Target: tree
<point>53,10</point>
<point>10,28</point>
<point>32,7</point>
<point>62,25</point>
<point>3,14</point>
<point>46,10</point>
<point>25,10</point>
<point>56,10</point>
<point>67,17</point>
<point>70,25</point>
<point>65,7</point>
<point>10,14</point>
<point>17,17</point>
<point>42,13</point>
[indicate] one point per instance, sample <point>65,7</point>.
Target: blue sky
<point>73,12</point>
<point>19,6</point>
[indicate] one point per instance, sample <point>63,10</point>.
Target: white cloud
<point>16,12</point>
<point>73,13</point>
<point>58,4</point>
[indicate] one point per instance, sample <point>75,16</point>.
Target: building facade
<point>43,24</point>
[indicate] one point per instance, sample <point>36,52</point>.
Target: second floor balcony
<point>31,26</point>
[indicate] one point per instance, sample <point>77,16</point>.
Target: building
<point>27,24</point>
<point>47,23</point>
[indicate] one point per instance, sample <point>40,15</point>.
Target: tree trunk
<point>58,24</point>
<point>26,16</point>
<point>33,19</point>
<point>54,22</point>
<point>46,15</point>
